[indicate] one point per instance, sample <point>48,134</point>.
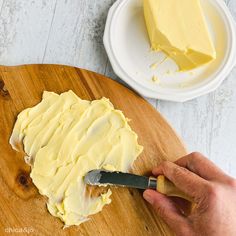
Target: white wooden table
<point>70,32</point>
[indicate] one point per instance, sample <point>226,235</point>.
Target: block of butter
<point>178,28</point>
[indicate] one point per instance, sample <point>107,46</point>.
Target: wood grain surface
<point>21,206</point>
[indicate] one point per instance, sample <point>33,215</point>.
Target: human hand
<point>213,193</point>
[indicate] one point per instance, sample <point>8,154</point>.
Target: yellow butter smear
<point>65,137</point>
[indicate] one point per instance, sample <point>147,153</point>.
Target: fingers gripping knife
<point>161,184</point>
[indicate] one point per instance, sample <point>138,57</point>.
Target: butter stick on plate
<point>178,27</point>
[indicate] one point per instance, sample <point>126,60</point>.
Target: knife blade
<point>102,177</point>
<point>161,184</point>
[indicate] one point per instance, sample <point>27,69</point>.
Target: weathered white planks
<point>70,32</point>
<point>25,30</point>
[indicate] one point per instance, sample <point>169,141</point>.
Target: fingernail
<point>148,197</point>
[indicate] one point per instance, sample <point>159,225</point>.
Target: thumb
<point>167,210</point>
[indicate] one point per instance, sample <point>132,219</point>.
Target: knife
<point>116,178</point>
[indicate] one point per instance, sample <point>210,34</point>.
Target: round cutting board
<point>23,209</point>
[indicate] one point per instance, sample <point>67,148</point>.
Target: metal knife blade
<point>102,177</point>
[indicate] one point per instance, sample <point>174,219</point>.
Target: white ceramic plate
<point>127,45</point>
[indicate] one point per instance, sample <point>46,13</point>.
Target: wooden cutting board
<point>21,206</point>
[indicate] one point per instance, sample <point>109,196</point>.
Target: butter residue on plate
<point>155,79</point>
<point>65,137</point>
<point>154,65</point>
